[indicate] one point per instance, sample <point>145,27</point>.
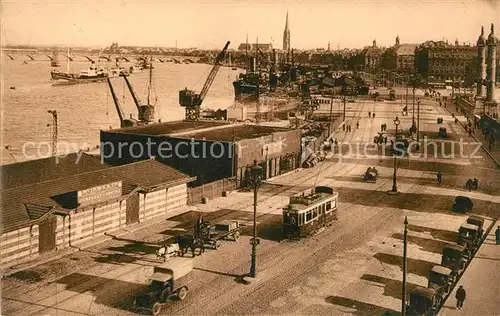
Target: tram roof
<point>303,202</point>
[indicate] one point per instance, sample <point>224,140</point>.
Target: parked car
<point>462,204</point>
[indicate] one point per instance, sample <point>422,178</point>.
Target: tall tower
<point>491,65</point>
<point>481,59</point>
<point>286,36</point>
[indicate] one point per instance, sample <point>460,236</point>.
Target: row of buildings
<point>146,173</point>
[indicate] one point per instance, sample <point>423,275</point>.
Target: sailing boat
<point>54,62</point>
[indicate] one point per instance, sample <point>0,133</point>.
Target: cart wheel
<point>236,236</point>
<point>182,293</point>
<point>156,308</point>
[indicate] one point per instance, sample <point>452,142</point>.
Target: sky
<point>210,23</point>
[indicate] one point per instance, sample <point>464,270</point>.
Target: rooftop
<point>235,132</point>
<point>46,169</point>
<point>168,127</point>
<point>25,204</point>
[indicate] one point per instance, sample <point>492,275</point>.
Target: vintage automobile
<point>462,204</point>
<point>468,235</point>
<point>442,132</point>
<point>478,221</point>
<point>371,175</point>
<point>423,302</point>
<point>454,258</point>
<point>440,280</point>
<point>170,279</point>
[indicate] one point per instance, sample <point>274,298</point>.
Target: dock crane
<point>146,111</point>
<point>191,100</point>
<point>123,121</point>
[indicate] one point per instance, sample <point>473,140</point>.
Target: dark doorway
<point>47,234</point>
<point>132,209</point>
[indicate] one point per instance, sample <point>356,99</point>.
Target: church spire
<point>286,35</point>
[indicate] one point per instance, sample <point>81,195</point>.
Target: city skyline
<point>208,24</point>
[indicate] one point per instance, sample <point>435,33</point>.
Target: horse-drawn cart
<point>224,230</point>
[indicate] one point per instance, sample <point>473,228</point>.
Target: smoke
<point>492,3</point>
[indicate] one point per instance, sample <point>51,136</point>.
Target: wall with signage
<point>99,194</point>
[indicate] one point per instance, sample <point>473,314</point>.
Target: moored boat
<point>90,75</point>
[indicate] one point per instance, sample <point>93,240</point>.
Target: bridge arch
<point>104,57</point>
<point>89,59</point>
<point>31,57</point>
<point>11,58</point>
<point>188,61</point>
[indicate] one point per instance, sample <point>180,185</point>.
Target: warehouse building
<point>48,204</point>
<point>207,152</point>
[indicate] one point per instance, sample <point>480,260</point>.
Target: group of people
<point>370,114</point>
<point>471,184</point>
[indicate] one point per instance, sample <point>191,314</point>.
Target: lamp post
<point>394,187</point>
<point>418,124</point>
<point>403,295</point>
<point>255,179</point>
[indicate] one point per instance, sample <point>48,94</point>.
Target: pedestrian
<point>439,177</point>
<point>497,235</point>
<point>460,296</point>
<point>369,114</point>
<point>357,125</point>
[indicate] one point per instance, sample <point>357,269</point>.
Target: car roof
<point>461,197</point>
<point>441,270</point>
<point>423,291</point>
<point>456,247</point>
<point>469,226</point>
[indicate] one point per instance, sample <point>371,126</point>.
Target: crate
<point>226,226</point>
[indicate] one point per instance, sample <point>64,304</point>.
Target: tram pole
<point>394,150</point>
<point>256,174</point>
<point>403,295</point>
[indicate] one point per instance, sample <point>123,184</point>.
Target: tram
<point>309,212</point>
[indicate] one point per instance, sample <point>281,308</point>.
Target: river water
<point>85,109</point>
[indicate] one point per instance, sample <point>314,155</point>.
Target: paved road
<point>351,268</point>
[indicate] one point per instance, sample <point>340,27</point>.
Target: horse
<point>166,252</point>
<point>190,242</point>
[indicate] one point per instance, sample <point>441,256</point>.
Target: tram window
<point>315,212</point>
<point>301,219</point>
<point>328,205</point>
<point>309,216</point>
<point>323,208</point>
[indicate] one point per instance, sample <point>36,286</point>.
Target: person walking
<point>497,235</point>
<point>357,125</point>
<point>460,296</point>
<point>439,176</point>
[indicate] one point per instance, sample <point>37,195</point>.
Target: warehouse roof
<point>21,206</point>
<point>46,169</point>
<point>168,127</point>
<point>234,132</point>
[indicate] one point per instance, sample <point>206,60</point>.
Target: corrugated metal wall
<point>19,245</point>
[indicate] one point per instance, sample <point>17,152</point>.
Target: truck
<point>168,280</point>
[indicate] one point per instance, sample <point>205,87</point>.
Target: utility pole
<point>257,115</point>
<point>256,176</point>
<point>418,124</point>
<point>330,119</point>
<point>344,93</point>
<point>403,295</point>
<point>55,130</point>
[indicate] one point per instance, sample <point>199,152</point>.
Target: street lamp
<point>403,296</point>
<point>418,124</point>
<point>255,180</point>
<point>394,187</point>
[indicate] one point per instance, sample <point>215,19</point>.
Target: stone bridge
<point>42,56</point>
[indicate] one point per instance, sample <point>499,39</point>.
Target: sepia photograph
<point>250,157</point>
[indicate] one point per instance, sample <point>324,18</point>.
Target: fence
<point>210,190</point>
